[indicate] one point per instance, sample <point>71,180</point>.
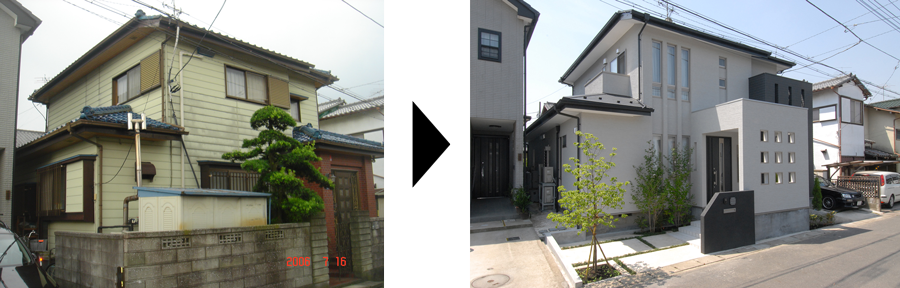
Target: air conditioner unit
<point>547,174</point>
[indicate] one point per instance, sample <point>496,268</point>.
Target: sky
<point>564,31</point>
<point>329,34</point>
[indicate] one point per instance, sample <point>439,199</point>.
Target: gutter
<point>641,64</point>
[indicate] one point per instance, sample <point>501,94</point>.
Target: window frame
<point>247,86</point>
<point>861,111</point>
<point>294,97</point>
<point>816,113</point>
<point>685,74</point>
<point>115,86</point>
<point>499,45</point>
<point>87,178</point>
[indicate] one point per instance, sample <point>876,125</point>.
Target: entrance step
<point>690,234</point>
<point>499,225</point>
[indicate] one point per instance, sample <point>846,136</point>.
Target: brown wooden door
<point>346,200</point>
<point>489,166</point>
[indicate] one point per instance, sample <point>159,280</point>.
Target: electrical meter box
<point>165,209</point>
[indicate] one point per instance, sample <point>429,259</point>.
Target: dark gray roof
<point>887,104</point>
<point>325,106</point>
<point>354,107</point>
<point>26,136</point>
<point>110,114</point>
<point>879,154</point>
<point>840,80</point>
<point>308,133</point>
<point>671,26</point>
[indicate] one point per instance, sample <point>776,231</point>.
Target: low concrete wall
<point>567,271</point>
<point>222,257</point>
<point>781,223</point>
<point>367,242</point>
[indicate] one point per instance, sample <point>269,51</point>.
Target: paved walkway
<point>525,262</point>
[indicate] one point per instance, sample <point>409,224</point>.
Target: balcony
<point>609,83</point>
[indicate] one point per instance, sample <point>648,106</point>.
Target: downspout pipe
<point>125,207</point>
<point>99,175</point>
<point>524,92</point>
<point>641,64</point>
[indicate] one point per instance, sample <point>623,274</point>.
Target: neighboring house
<point>499,31</point>
<point>839,130</point>
<point>18,23</point>
<point>362,119</point>
<point>83,169</point>
<point>882,133</point>
<point>749,128</point>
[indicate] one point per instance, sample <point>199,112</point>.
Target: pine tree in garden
<point>284,165</point>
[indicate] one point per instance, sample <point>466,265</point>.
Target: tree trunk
<point>600,248</point>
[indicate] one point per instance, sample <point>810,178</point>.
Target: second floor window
<point>295,109</point>
<point>128,85</point>
<point>245,85</point>
<point>488,45</point>
<point>851,111</point>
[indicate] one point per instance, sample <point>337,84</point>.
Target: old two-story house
<point>839,125</point>
<point>17,24</point>
<point>197,97</point>
<point>644,79</point>
<point>361,119</point>
<point>882,134</point>
<point>500,31</point>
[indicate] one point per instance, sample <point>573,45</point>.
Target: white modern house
<point>839,125</point>
<point>500,31</point>
<point>16,24</point>
<point>362,119</point>
<point>644,79</point>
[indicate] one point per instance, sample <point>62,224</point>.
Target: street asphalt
<point>859,254</point>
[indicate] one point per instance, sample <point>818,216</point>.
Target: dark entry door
<point>346,200</point>
<point>718,165</point>
<point>489,166</point>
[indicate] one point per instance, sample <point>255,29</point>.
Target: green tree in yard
<point>817,194</point>
<point>592,195</point>
<point>678,186</point>
<point>648,189</point>
<point>283,164</point>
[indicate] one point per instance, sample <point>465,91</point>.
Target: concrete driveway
<point>523,263</point>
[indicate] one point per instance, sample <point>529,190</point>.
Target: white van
<point>890,185</point>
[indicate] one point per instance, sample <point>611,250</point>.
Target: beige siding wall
<point>74,187</point>
<point>95,89</point>
<point>218,124</point>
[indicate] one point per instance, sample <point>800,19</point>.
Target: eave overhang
<point>66,135</point>
<point>569,105</point>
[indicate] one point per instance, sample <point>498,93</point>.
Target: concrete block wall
<point>361,245</point>
<point>90,259</point>
<point>378,247</point>
<point>223,257</point>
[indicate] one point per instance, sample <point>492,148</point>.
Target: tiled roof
<point>354,107</point>
<point>109,114</point>
<point>308,133</point>
<point>879,154</point>
<point>325,106</point>
<point>26,136</point>
<point>888,104</point>
<point>838,81</point>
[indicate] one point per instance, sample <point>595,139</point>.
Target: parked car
<point>18,266</point>
<point>889,187</point>
<point>834,197</point>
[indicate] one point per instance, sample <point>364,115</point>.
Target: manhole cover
<point>495,280</point>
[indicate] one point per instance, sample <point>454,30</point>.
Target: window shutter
<point>151,73</point>
<point>279,94</point>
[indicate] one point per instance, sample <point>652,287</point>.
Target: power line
<point>851,31</point>
<point>364,14</point>
<point>201,41</point>
<point>108,8</point>
<point>92,12</point>
<point>882,17</point>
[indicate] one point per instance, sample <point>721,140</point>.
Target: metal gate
<point>489,166</point>
<point>346,200</point>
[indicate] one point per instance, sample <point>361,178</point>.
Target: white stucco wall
<point>746,118</point>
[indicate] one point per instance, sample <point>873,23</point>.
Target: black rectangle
<point>431,144</point>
